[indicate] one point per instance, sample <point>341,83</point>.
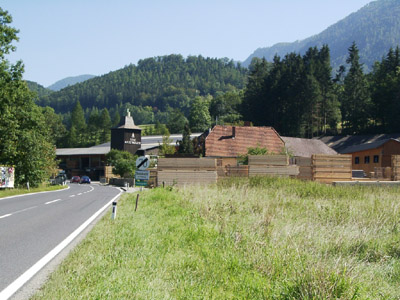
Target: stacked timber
<point>396,167</point>
<point>305,167</point>
<point>271,165</point>
<point>237,171</point>
<point>182,171</point>
<point>330,168</point>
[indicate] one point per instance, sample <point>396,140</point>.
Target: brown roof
<point>231,141</point>
<point>306,147</point>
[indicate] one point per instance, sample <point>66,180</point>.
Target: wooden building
<point>373,155</point>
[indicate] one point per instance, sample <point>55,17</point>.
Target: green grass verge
<point>257,238</point>
<point>21,191</point>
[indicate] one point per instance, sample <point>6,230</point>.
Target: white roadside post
<point>114,210</point>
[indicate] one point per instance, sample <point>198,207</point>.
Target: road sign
<point>141,183</point>
<point>142,175</point>
<point>142,163</point>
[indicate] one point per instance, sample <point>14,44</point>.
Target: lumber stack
<point>182,171</point>
<point>237,171</point>
<point>396,167</point>
<point>271,165</point>
<point>330,168</point>
<point>305,167</point>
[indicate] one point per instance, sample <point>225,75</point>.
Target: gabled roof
<point>367,146</point>
<point>340,142</point>
<point>306,147</point>
<point>231,141</point>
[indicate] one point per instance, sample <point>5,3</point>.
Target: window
<point>376,159</point>
<point>357,160</point>
<point>366,159</point>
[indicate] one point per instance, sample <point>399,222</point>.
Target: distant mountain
<point>38,89</point>
<point>69,81</point>
<point>159,83</point>
<point>375,28</point>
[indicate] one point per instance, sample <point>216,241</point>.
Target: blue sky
<point>62,38</point>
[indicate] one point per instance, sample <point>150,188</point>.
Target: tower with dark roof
<point>128,136</point>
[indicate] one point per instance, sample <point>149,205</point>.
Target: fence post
<point>137,200</point>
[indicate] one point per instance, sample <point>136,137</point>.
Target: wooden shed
<point>369,156</point>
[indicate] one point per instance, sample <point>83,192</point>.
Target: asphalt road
<point>31,226</point>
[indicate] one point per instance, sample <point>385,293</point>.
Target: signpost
<point>141,174</point>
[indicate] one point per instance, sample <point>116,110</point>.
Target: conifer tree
<point>356,101</point>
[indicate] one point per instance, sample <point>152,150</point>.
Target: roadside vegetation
<point>257,238</point>
<point>21,191</point>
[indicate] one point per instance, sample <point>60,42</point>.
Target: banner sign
<point>6,177</point>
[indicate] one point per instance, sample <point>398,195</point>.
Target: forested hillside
<point>40,90</point>
<point>375,28</point>
<point>161,83</point>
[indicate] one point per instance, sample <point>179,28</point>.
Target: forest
<point>297,94</point>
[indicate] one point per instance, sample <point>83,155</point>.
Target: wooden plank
<point>332,169</point>
<point>347,164</point>
<point>273,170</point>
<point>333,175</point>
<point>303,161</point>
<point>276,160</point>
<point>179,163</point>
<point>331,157</point>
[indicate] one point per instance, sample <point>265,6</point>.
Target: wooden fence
<point>396,167</point>
<point>181,171</point>
<point>271,165</point>
<point>329,168</point>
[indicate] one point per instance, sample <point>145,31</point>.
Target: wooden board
<point>186,177</point>
<point>186,163</point>
<point>274,170</point>
<point>275,160</point>
<point>237,171</point>
<point>303,161</point>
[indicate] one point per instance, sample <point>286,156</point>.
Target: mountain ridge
<point>375,28</point>
<point>63,83</point>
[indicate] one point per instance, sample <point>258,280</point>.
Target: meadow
<point>257,238</point>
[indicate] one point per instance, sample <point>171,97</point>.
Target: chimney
<point>233,132</point>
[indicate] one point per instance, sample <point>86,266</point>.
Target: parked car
<point>85,179</point>
<point>75,179</point>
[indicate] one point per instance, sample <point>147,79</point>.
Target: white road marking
<point>16,212</point>
<point>72,196</point>
<point>52,201</point>
<point>23,195</point>
<point>21,280</point>
<point>79,194</point>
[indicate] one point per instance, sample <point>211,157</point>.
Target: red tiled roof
<point>221,142</point>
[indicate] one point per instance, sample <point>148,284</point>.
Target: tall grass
<point>257,238</point>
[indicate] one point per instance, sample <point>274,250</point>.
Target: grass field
<point>21,191</point>
<point>257,238</point>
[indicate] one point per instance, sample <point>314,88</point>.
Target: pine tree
<point>356,102</point>
<point>105,120</point>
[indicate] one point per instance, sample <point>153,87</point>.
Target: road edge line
<point>12,288</point>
